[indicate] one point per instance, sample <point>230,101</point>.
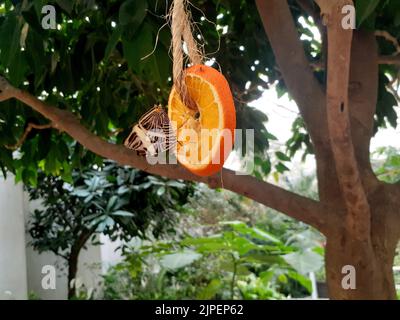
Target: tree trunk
<point>72,271</point>
<point>73,259</point>
<point>373,274</point>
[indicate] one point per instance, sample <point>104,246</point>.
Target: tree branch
<point>295,67</point>
<point>386,35</point>
<point>363,96</point>
<point>393,60</point>
<point>301,208</point>
<point>304,88</point>
<point>358,217</point>
<point>26,132</point>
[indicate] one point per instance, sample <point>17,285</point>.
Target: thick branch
<point>304,88</point>
<point>339,57</point>
<point>363,96</point>
<point>394,60</point>
<point>296,206</point>
<point>294,65</point>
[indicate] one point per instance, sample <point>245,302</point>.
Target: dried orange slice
<point>204,136</point>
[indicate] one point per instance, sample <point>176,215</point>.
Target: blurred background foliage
<point>115,201</point>
<point>109,61</point>
<point>260,255</point>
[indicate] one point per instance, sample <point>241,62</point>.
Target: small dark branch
<point>386,35</point>
<point>115,132</point>
<point>73,259</point>
<point>317,65</point>
<point>65,257</point>
<point>394,92</point>
<point>28,129</point>
<point>6,90</point>
<point>233,280</point>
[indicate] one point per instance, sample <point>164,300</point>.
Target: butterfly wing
<point>156,134</point>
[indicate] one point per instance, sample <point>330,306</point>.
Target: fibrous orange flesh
<point>205,136</point>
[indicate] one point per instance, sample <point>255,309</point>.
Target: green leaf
<point>6,158</point>
<point>266,167</point>
<point>111,203</point>
<point>258,175</point>
<point>319,250</point>
<point>281,168</point>
<point>176,184</point>
<point>52,165</point>
<point>208,244</point>
<point>160,191</point>
<point>123,190</point>
<point>304,262</point>
<point>304,281</point>
<point>132,13</point>
<point>29,177</point>
<point>11,56</point>
<point>179,260</point>
<point>364,9</point>
<point>210,290</point>
<point>107,222</point>
<point>111,44</point>
<point>66,5</point>
<point>263,258</point>
<point>81,193</point>
<point>281,156</point>
<point>122,213</point>
<point>137,48</point>
<point>254,232</point>
<point>270,136</point>
<point>10,39</point>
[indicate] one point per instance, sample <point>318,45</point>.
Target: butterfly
<point>153,134</point>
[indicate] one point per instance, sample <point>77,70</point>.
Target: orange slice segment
<point>204,136</point>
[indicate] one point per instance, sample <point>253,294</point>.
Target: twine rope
<point>182,30</point>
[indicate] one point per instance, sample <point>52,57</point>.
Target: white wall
<point>13,278</point>
<point>21,266</point>
<point>92,262</point>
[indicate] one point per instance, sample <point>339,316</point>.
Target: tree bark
<point>73,260</point>
<point>373,276</point>
<point>367,228</point>
<point>72,271</point>
<point>372,263</point>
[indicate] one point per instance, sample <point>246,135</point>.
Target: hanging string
<point>182,31</point>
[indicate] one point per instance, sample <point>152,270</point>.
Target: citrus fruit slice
<point>204,136</point>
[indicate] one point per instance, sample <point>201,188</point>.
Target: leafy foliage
<point>94,66</point>
<point>231,247</point>
<point>387,164</point>
<point>240,262</point>
<point>111,200</point>
<point>100,64</point>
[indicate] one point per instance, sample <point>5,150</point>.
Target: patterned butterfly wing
<point>153,134</point>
